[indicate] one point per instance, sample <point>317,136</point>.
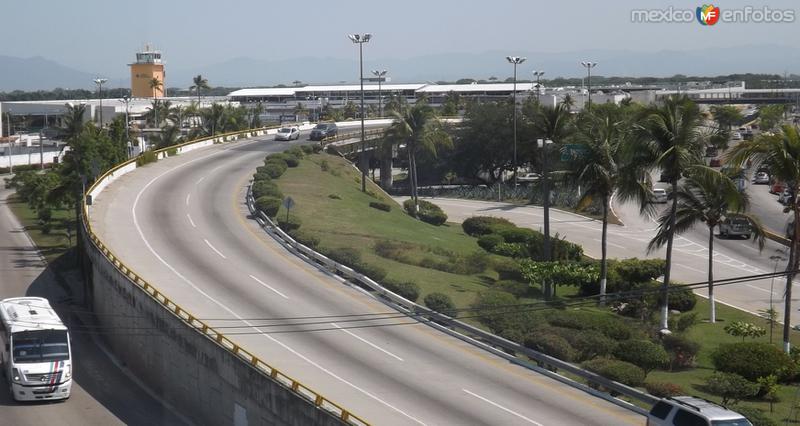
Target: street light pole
<point>515,60</point>
<point>360,39</point>
<point>99,82</point>
<point>775,258</point>
<point>589,65</point>
<point>41,148</point>
<point>380,74</point>
<point>542,143</point>
<point>126,99</point>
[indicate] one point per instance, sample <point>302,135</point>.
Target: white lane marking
<point>190,220</point>
<point>199,180</point>
<point>503,408</point>
<point>230,311</point>
<point>690,268</point>
<point>214,248</point>
<point>758,288</point>
<point>368,342</point>
<point>269,287</point>
<point>187,198</point>
<point>610,243</point>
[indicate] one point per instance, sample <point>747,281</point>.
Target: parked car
<point>714,162</point>
<point>737,136</point>
<point>659,196</point>
<point>287,134</point>
<point>711,151</point>
<point>735,226</point>
<point>689,410</point>
<point>786,196</point>
<point>323,130</point>
<point>761,178</point>
<point>529,177</point>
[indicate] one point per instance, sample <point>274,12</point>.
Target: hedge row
<point>428,212</point>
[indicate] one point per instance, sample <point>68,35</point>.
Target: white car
<point>287,134</point>
<point>737,136</point>
<point>529,177</point>
<point>659,196</point>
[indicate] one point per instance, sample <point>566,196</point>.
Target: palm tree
<point>170,135</point>
<point>155,85</point>
<point>781,153</point>
<point>706,196</point>
<point>671,140</point>
<point>602,134</point>
<point>73,121</point>
<point>199,83</point>
<point>420,130</point>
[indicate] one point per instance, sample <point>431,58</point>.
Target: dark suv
<point>323,130</point>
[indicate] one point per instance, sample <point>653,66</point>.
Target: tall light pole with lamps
<point>538,75</point>
<point>515,60</point>
<point>543,143</point>
<point>589,65</point>
<point>126,99</point>
<point>380,75</point>
<point>775,258</point>
<point>99,82</point>
<point>360,39</point>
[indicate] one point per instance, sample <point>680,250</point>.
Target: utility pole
<point>515,60</point>
<point>360,40</point>
<point>589,65</point>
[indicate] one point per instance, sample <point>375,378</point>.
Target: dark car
<point>323,130</point>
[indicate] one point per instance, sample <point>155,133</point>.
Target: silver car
<point>659,196</point>
<point>287,134</point>
<point>761,178</point>
<point>689,410</point>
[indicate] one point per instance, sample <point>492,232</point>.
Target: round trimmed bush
<point>407,289</point>
<point>305,238</point>
<point>508,269</point>
<point>380,206</point>
<point>489,241</point>
<point>663,389</point>
<point>517,235</point>
<point>345,255</point>
<point>592,344</point>
<point>681,349</point>
<point>428,212</point>
<point>441,303</point>
<point>550,344</point>
<point>643,353</point>
<point>296,151</point>
<point>258,176</point>
<point>266,188</point>
<point>516,250</point>
<point>482,225</point>
<point>268,205</point>
<point>619,371</point>
<point>275,170</point>
<point>375,272</point>
<point>306,149</point>
<point>292,161</point>
<point>682,300</point>
<point>752,360</point>
<point>433,217</point>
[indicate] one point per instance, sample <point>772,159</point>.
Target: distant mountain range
<point>40,73</point>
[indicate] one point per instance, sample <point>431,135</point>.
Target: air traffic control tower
<point>148,66</point>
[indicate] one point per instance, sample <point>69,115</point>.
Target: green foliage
<point>406,289</point>
<point>296,151</point>
<point>752,360</point>
<point>619,371</point>
<point>305,238</point>
<point>291,224</point>
<point>514,250</point>
<point>769,116</point>
<point>731,387</point>
<point>550,344</point>
<point>495,309</point>
<point>591,344</point>
<point>608,324</point>
<point>682,300</point>
<point>334,197</point>
<point>146,158</point>
<point>626,275</point>
<point>686,321</point>
<point>306,149</point>
<point>440,302</point>
<point>488,242</point>
<point>264,188</point>
<point>517,235</point>
<point>643,353</point>
<point>324,166</point>
<point>508,269</point>
<point>275,170</point>
<point>481,225</point>
<point>682,350</point>
<point>380,205</point>
<point>518,289</point>
<point>268,205</point>
<point>261,176</point>
<point>345,255</point>
<point>563,273</point>
<point>745,329</point>
<point>428,212</point>
<point>663,389</point>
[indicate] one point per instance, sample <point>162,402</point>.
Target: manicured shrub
<point>290,224</point>
<point>550,344</point>
<point>515,250</point>
<point>591,344</point>
<point>482,225</point>
<point>344,255</point>
<point>296,151</point>
<point>334,197</point>
<point>305,238</point>
<point>380,206</point>
<point>493,308</point>
<point>407,289</point>
<point>752,360</point>
<point>608,325</point>
<point>686,321</point>
<point>428,212</point>
<point>517,235</point>
<point>682,300</point>
<point>268,205</point>
<point>275,170</point>
<point>643,353</point>
<point>266,188</point>
<point>435,218</point>
<point>291,161</point>
<point>276,157</point>
<point>144,158</point>
<point>440,302</point>
<point>620,371</point>
<point>489,241</point>
<point>730,386</point>
<point>258,176</point>
<point>324,166</point>
<point>625,275</point>
<point>316,148</point>
<point>372,271</point>
<point>663,389</point>
<point>682,350</point>
<point>508,269</point>
<point>307,149</point>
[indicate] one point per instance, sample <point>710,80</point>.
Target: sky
<point>102,36</point>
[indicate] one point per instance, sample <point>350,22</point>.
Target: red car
<point>777,188</point>
<point>714,162</point>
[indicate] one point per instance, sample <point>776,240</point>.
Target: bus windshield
<point>40,346</point>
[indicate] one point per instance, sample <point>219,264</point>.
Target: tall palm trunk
<point>791,268</point>
<point>668,266</point>
<point>412,174</point>
<point>711,301</point>
<point>386,173</point>
<point>604,253</point>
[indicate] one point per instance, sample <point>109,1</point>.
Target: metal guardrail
<point>191,320</point>
<point>504,348</point>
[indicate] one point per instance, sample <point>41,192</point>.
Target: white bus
<point>36,356</point>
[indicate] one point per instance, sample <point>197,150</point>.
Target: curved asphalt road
<point>182,224</point>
